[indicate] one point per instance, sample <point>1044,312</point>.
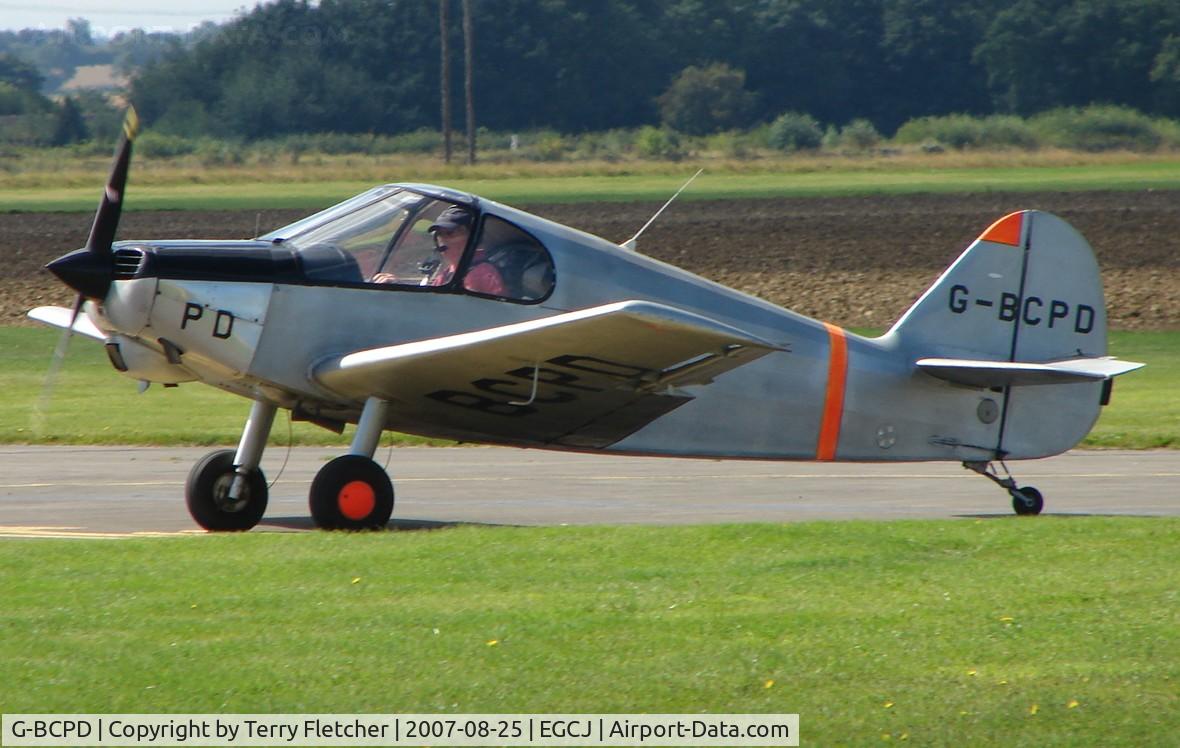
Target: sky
<point>108,17</point>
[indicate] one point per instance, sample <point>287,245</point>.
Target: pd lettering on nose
<point>223,322</point>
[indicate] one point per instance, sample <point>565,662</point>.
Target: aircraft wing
<point>58,316</point>
<point>1004,373</point>
<point>585,379</point>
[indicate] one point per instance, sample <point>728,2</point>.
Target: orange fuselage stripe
<point>829,430</point>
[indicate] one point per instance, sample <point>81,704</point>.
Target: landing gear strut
<point>353,492</point>
<point>226,490</point>
<point>1025,501</point>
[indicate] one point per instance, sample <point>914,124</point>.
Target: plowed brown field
<point>857,262</point>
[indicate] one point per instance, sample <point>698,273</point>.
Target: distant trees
<point>1165,74</point>
<point>69,126</point>
<point>18,73</point>
<point>795,131</point>
<point>20,97</point>
<point>56,53</point>
<point>563,64</point>
<point>1040,54</point>
<point>706,100</point>
<point>289,67</point>
<point>570,66</point>
<point>30,117</point>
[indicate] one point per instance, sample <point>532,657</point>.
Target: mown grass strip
<point>1014,631</point>
<point>92,404</point>
<point>829,181</point>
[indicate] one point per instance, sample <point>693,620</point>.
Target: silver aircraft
<point>435,312</point>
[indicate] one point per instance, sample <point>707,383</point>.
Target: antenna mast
<point>634,241</point>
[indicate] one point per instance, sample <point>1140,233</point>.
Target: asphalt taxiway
<point>115,491</point>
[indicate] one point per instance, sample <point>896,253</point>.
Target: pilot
<point>451,230</point>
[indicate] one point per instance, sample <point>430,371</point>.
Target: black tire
<point>206,493</point>
<point>351,493</point>
<point>1027,501</point>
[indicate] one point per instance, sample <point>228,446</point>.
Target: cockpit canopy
<point>392,237</point>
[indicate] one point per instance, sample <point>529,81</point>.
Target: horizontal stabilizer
<point>975,373</point>
<point>58,316</point>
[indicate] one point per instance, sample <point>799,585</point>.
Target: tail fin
<point>1022,306</point>
<point>1027,289</point>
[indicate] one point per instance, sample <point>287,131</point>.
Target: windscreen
<point>328,214</point>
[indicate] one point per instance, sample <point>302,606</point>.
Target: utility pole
<point>468,74</point>
<point>445,76</point>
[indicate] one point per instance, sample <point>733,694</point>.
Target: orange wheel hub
<point>356,500</point>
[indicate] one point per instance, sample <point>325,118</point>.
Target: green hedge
<point>1093,128</point>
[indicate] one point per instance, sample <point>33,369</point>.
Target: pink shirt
<point>483,277</point>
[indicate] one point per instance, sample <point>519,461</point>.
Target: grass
<point>1056,631</point>
<point>167,185</point>
<point>92,404</point>
<point>1144,412</point>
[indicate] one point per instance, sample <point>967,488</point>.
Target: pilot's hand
<point>384,278</point>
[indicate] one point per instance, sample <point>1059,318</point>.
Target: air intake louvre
<point>128,263</point>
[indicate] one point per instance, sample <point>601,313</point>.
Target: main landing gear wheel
<point>206,493</point>
<point>1027,501</point>
<point>351,493</point>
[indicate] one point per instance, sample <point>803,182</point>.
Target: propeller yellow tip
<point>131,123</point>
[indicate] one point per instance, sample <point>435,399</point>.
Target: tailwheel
<point>1027,501</point>
<point>207,493</point>
<point>351,493</point>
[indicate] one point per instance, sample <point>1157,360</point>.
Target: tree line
<point>373,66</point>
<point>55,54</point>
<point>34,63</point>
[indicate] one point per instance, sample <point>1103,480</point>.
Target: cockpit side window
<point>427,251</point>
<point>408,239</point>
<point>522,265</point>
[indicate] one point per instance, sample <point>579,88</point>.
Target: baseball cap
<point>451,219</point>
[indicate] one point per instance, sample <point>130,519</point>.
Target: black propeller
<point>89,270</point>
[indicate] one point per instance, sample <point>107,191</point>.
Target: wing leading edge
<point>585,379</point>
